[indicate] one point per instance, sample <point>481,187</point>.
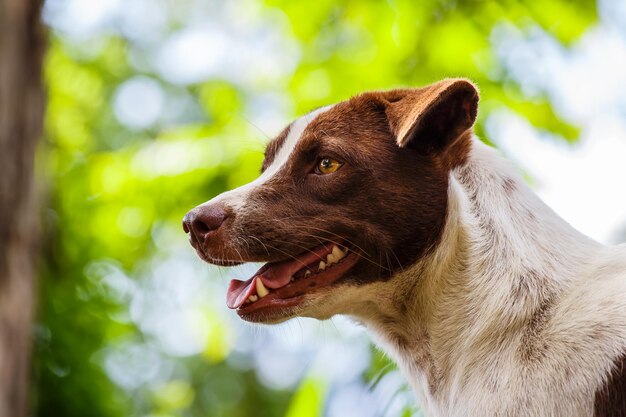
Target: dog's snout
<point>203,220</point>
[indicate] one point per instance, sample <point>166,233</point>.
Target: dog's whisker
<point>280,250</point>
<point>351,243</point>
<point>268,137</point>
<point>262,244</point>
<point>320,239</point>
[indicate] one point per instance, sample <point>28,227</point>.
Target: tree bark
<point>21,119</point>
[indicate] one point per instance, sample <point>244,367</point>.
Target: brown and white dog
<point>386,208</point>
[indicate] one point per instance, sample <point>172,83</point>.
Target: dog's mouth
<point>279,286</point>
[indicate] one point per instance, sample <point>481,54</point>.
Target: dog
<point>388,209</point>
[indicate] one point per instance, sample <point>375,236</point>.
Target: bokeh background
<point>155,106</point>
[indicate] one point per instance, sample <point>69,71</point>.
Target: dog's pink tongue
<point>274,276</point>
<point>239,291</point>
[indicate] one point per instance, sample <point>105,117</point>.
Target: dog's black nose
<point>202,220</point>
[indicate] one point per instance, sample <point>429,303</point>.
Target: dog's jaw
<point>279,291</point>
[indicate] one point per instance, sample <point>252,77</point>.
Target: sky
<point>583,183</point>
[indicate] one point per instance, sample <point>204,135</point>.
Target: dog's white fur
<point>514,314</point>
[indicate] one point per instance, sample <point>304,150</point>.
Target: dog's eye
<point>327,166</point>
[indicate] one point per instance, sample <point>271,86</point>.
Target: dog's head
<point>349,195</point>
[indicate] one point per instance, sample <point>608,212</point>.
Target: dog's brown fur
<point>610,399</point>
<point>490,303</point>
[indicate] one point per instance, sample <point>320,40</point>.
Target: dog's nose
<point>202,220</point>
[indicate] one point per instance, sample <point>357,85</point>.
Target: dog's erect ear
<point>431,118</point>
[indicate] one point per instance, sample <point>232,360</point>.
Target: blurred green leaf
<point>308,400</point>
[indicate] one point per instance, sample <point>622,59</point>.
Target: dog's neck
<point>503,260</point>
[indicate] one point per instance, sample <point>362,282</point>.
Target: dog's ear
<point>431,118</point>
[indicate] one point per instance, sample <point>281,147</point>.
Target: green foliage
<point>116,193</point>
<point>353,46</point>
<point>308,400</point>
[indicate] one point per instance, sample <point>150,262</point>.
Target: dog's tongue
<point>273,275</point>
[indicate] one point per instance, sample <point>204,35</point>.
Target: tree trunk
<point>21,115</point>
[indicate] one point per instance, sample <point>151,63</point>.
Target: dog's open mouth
<point>283,284</point>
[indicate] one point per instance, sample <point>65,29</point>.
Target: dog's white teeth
<point>337,253</point>
<point>335,256</point>
<point>253,298</point>
<point>307,273</point>
<point>261,290</point>
<point>322,266</point>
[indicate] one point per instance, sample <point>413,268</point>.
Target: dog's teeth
<point>338,254</point>
<point>322,266</point>
<point>253,298</point>
<point>260,289</point>
<point>307,273</point>
<point>335,256</point>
